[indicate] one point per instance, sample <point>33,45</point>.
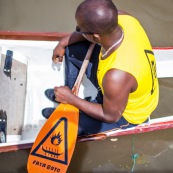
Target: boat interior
<point>32,72</point>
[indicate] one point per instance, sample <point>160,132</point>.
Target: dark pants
<point>74,57</point>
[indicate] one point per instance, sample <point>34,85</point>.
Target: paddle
<point>55,143</point>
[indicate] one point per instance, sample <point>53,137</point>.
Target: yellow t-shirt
<point>136,57</point>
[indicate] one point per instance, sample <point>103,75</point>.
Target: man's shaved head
<point>97,16</point>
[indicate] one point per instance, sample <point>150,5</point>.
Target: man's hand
<point>58,54</point>
<point>59,50</point>
<point>63,94</point>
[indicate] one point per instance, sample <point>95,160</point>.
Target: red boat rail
<point>47,36</point>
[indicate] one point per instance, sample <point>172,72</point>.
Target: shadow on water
<point>14,162</point>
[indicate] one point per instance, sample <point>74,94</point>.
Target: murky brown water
<point>155,149</point>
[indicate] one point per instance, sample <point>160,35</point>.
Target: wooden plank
<point>12,95</point>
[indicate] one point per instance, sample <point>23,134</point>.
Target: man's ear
<point>96,38</point>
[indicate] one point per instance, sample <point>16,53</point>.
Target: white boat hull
<point>43,74</point>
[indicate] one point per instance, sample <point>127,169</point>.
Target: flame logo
<point>56,139</point>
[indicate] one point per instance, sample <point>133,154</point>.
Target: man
<point>122,68</point>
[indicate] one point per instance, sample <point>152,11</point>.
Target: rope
<point>134,155</point>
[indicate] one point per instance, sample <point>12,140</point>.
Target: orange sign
<point>54,146</point>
